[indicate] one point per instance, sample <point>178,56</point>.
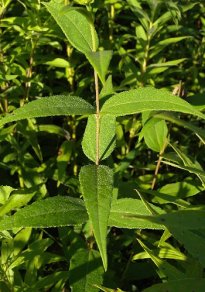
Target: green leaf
<point>183,219</point>
<point>158,47</point>
<point>97,184</point>
<point>198,101</point>
<point>174,119</point>
<point>58,62</point>
<point>50,106</point>
<point>44,283</point>
<point>76,24</point>
<point>188,284</point>
<point>100,61</point>
<point>192,240</point>
<point>147,99</point>
<point>120,210</point>
<point>155,134</point>
<point>64,156</point>
<point>107,137</point>
<point>189,164</point>
<point>51,212</point>
<point>182,189</point>
<point>5,192</point>
<point>85,271</point>
<point>200,173</point>
<point>17,199</point>
<point>166,269</point>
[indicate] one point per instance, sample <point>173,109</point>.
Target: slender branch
<point>97,157</point>
<point>158,165</point>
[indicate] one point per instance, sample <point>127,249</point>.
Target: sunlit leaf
<point>147,99</point>
<point>51,212</point>
<point>76,24</point>
<point>97,183</point>
<point>50,106</point>
<point>106,137</point>
<point>100,61</point>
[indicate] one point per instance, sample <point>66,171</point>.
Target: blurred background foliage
<point>154,42</point>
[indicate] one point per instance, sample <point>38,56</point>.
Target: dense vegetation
<point>102,145</point>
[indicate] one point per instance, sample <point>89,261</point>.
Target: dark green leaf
<point>85,271</point>
<point>188,284</point>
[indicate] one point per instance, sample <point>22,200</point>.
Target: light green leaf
<point>120,210</point>
<point>85,271</point>
<point>58,62</point>
<point>141,35</point>
<point>100,62</point>
<point>168,252</point>
<point>182,189</point>
<point>97,184</point>
<point>5,192</point>
<point>50,106</point>
<point>147,99</point>
<point>16,200</point>
<point>107,137</point>
<point>155,134</point>
<point>192,284</point>
<point>51,212</point>
<point>76,24</point>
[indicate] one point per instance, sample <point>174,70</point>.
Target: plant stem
<point>97,117</point>
<point>158,165</point>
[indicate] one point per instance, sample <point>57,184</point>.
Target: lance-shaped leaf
<point>100,61</point>
<point>86,270</point>
<point>183,219</point>
<point>50,106</point>
<point>187,284</point>
<point>97,184</point>
<point>122,208</point>
<point>51,212</point>
<point>77,25</point>
<point>106,137</point>
<point>147,99</point>
<point>192,240</point>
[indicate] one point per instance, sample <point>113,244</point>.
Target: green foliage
<point>97,183</point>
<point>67,224</point>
